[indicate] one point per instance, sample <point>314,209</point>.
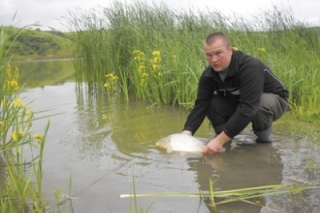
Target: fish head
<point>164,143</point>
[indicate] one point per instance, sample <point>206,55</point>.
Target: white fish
<point>182,143</point>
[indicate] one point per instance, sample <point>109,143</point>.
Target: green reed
<point>21,177</point>
<point>108,41</point>
<point>230,196</point>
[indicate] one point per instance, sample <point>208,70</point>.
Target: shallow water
<point>107,146</point>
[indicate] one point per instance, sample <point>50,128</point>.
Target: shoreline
<point>40,60</point>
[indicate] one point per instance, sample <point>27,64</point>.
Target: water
<point>107,146</point>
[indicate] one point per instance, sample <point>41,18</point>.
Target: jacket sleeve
<point>204,96</point>
<point>251,83</point>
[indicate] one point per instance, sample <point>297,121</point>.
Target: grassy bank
<point>156,53</point>
<point>36,44</point>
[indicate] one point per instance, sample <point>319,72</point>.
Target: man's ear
<point>230,50</point>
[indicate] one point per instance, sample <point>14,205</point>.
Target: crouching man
<point>234,90</point>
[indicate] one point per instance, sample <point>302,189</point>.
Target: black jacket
<point>244,84</point>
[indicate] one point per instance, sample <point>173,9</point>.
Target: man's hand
<point>216,144</point>
<point>213,147</point>
<point>186,132</point>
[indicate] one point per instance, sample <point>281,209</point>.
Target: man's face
<point>218,55</point>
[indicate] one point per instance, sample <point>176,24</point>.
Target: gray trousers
<point>272,107</point>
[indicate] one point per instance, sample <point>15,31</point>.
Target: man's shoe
<point>263,136</point>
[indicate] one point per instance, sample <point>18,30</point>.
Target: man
<point>233,91</point>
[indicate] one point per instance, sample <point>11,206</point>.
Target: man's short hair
<point>213,37</point>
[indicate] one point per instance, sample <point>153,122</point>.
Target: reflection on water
<point>103,143</point>
<point>241,167</point>
<point>43,73</point>
<point>301,165</point>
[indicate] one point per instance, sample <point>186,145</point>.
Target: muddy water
<point>107,146</point>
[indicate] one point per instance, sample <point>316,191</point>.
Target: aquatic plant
<point>135,201</point>
<point>170,41</point>
<point>229,196</point>
<point>19,194</point>
<point>21,186</point>
<point>111,82</point>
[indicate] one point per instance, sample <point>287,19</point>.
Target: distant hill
<point>37,44</point>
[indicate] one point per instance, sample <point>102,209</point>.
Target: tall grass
<point>21,189</point>
<point>123,38</point>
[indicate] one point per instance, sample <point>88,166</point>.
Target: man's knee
<point>271,108</point>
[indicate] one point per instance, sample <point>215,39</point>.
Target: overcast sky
<point>49,13</point>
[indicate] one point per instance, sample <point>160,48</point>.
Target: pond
<point>107,148</point>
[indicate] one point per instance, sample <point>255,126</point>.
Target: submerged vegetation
<point>155,53</point>
<point>217,198</point>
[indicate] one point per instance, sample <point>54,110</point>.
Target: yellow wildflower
<point>141,58</point>
<point>13,84</point>
<point>107,85</point>
<point>14,136</point>
<point>136,52</point>
<point>262,49</point>
<point>11,79</point>
<point>155,67</point>
<point>142,82</point>
<point>8,71</point>
<point>235,48</point>
<point>156,53</point>
<point>17,135</point>
<point>30,116</point>
<point>38,136</point>
<point>141,69</point>
<point>112,77</point>
<point>156,60</point>
<point>17,102</point>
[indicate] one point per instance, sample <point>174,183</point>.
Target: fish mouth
<point>159,145</point>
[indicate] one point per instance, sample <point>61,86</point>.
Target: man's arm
<point>215,145</point>
<point>199,111</point>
